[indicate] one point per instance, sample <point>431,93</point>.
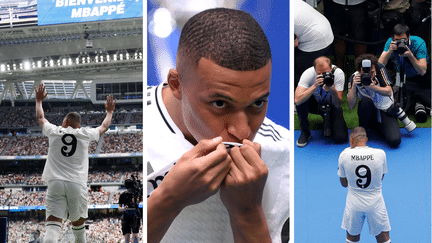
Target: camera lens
<point>328,79</point>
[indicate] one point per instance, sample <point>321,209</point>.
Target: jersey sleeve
<point>48,128</point>
<point>384,163</point>
<point>93,134</point>
<point>341,169</point>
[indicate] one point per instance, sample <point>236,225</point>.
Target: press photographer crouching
<point>411,62</point>
<point>376,108</point>
<point>325,82</point>
<point>128,204</point>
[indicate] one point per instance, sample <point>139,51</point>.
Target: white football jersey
<point>68,153</point>
<point>364,168</point>
<point>208,221</point>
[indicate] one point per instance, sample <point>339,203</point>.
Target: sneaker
<point>303,139</point>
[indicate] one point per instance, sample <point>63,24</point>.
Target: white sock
<point>79,233</point>
<point>349,241</point>
<point>53,230</point>
<point>389,241</point>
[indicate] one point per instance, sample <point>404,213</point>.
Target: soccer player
<point>362,170</point>
<point>66,168</point>
<point>197,190</point>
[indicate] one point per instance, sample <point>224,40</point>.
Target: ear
<point>174,83</point>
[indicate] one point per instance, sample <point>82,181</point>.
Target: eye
<point>219,104</point>
<point>259,103</point>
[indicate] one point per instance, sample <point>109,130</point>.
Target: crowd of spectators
<point>102,230</point>
<point>98,197</point>
<point>28,145</point>
<point>4,195</point>
<point>122,143</point>
<point>3,142</point>
<point>35,179</point>
<point>17,117</point>
<point>136,117</point>
<point>104,176</point>
<point>23,198</point>
<point>12,178</point>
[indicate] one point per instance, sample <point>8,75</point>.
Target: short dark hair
<point>73,119</point>
<point>231,38</point>
<point>401,29</point>
<point>358,131</point>
<point>359,59</point>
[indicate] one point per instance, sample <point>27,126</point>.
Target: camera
<point>325,110</point>
<point>366,78</point>
<point>402,116</point>
<point>135,186</point>
<point>401,46</point>
<point>328,78</point>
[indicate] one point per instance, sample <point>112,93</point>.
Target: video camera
<point>402,46</point>
<point>328,78</point>
<point>135,186</point>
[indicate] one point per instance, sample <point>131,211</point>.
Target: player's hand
<point>243,187</point>
<point>40,92</point>
<point>110,104</point>
<point>198,174</point>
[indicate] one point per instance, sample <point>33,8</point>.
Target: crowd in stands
<point>38,145</point>
<point>35,179</point>
<point>136,117</point>
<point>12,178</point>
<point>22,198</point>
<point>18,117</point>
<point>98,197</point>
<point>122,143</point>
<point>104,176</point>
<point>102,230</point>
<point>28,145</point>
<point>3,142</point>
<point>4,195</point>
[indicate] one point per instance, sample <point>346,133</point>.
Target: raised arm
<point>109,107</point>
<point>40,96</point>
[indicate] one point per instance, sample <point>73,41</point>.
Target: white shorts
<point>66,199</point>
<point>377,218</point>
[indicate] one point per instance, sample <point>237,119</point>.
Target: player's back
<point>68,153</point>
<point>364,168</point>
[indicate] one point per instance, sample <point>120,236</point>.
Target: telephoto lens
<point>401,46</point>
<point>409,125</point>
<point>420,113</point>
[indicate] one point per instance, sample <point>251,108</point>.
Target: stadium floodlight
<point>27,65</point>
<point>77,60</point>
<point>64,61</point>
<point>70,61</point>
<point>127,55</point>
<point>2,68</point>
<point>115,57</point>
<point>51,63</point>
<point>108,57</point>
<point>14,66</point>
<point>39,64</point>
<point>121,56</point>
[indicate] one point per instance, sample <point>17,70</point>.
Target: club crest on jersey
<point>362,157</point>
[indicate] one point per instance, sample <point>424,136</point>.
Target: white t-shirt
<point>68,153</point>
<point>364,168</point>
<point>312,29</point>
<point>208,221</point>
<point>307,79</point>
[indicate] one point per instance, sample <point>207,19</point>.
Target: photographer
<point>325,82</point>
<point>411,58</point>
<point>128,204</point>
<point>373,87</point>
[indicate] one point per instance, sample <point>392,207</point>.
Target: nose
<point>238,126</point>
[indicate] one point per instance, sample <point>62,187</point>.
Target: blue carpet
<point>320,199</point>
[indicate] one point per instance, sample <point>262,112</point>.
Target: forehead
<point>399,37</point>
<point>209,77</point>
<point>322,68</point>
